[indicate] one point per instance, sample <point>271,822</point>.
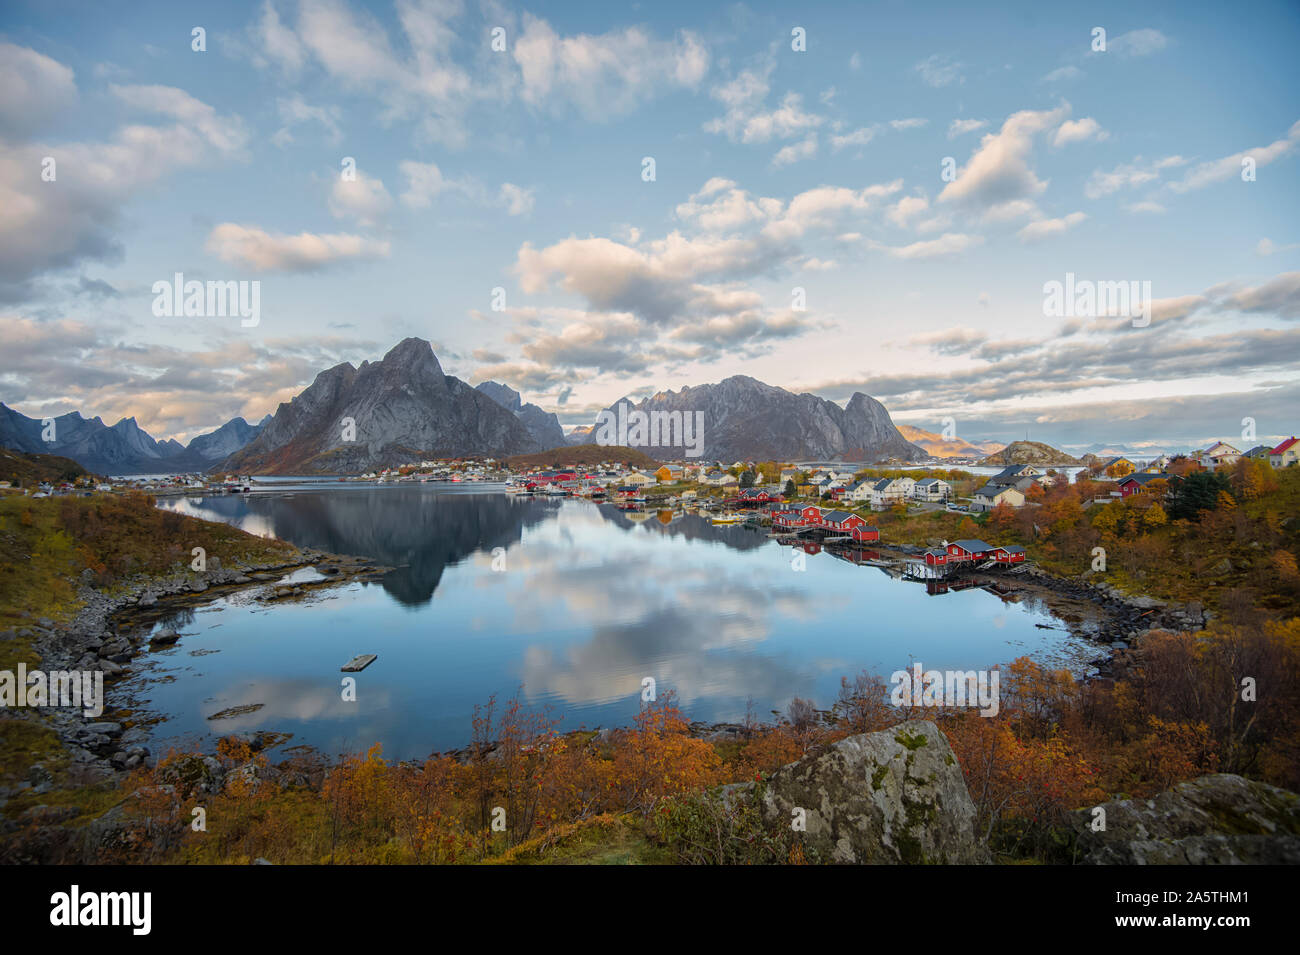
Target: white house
<point>888,491</point>
<point>932,489</point>
<point>1218,455</point>
<point>1285,454</point>
<point>991,495</point>
<point>858,491</point>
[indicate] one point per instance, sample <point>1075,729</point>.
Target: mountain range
<point>745,419</point>
<point>123,448</point>
<point>404,409</point>
<point>940,447</point>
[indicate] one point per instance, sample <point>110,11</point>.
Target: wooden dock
<point>359,662</point>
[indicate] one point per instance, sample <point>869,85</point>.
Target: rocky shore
<point>1119,620</point>
<point>113,630</point>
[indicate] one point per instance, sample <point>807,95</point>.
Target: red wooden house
<point>809,515</point>
<point>1135,483</point>
<point>846,522</point>
<point>1008,555</point>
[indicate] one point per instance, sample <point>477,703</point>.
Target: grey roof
<point>1144,477</point>
<point>991,490</point>
<point>973,544</point>
<point>929,481</point>
<point>1010,474</point>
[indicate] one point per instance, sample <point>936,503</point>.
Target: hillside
<point>25,469</point>
<point>1029,452</point>
<point>583,455</point>
<point>940,447</point>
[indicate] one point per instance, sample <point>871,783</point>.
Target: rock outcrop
<point>1030,452</point>
<point>892,797</point>
<point>1215,820</point>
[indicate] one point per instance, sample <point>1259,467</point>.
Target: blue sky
<point>775,169</point>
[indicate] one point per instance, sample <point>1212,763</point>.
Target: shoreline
<point>112,630</point>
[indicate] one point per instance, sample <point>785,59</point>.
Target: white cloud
<point>34,89</point>
<point>226,134</point>
<point>1146,205</point>
<point>795,152</point>
<point>1045,228</point>
<point>44,227</point>
<point>859,137</point>
<point>747,121</point>
<point>604,75</point>
<point>363,199</point>
<point>998,172</point>
<point>950,243</point>
<point>962,126</point>
<point>1127,175</point>
<point>1063,73</point>
<point>263,251</point>
<point>295,111</point>
<point>727,207</point>
<point>906,209</point>
<point>938,70</point>
<point>425,182</point>
<point>1138,43</point>
<point>1229,167</point>
<point>517,200</point>
<point>279,44</point>
<point>1079,131</point>
<point>914,122</point>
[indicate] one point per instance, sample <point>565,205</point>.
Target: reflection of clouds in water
<point>1000,620</point>
<point>667,646</point>
<point>300,700</point>
<point>194,507</point>
<point>665,621</point>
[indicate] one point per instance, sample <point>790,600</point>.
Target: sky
<point>590,201</point>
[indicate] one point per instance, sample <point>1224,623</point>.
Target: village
<point>833,507</point>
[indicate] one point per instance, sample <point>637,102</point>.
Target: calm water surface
<point>588,600</point>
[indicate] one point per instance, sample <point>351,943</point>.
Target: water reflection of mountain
<point>420,533</point>
<point>416,532</point>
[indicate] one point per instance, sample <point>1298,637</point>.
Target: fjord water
<point>584,602</point>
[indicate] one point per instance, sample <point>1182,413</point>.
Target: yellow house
<point>669,473</point>
<point>1118,467</point>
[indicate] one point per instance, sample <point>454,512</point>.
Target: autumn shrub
<point>721,827</point>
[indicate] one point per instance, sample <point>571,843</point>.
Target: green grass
<point>602,840</point>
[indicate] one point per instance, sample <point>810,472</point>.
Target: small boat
<point>727,518</point>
